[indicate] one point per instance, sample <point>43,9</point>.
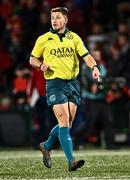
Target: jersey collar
<point>56,32</point>
<point>60,35</point>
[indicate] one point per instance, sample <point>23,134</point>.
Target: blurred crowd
<point>104,27</point>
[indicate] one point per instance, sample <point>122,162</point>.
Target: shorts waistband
<point>59,79</point>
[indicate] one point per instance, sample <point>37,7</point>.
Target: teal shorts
<point>59,91</point>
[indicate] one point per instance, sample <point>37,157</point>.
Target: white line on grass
<point>82,178</point>
<point>37,154</point>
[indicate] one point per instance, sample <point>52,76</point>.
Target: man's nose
<point>54,20</point>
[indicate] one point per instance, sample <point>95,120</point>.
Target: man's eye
<point>58,17</point>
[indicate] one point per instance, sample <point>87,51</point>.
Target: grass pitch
<point>100,164</point>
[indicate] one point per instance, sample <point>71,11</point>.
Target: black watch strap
<point>94,67</point>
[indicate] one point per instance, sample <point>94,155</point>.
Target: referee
<point>59,48</point>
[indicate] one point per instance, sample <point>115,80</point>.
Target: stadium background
<point>100,24</point>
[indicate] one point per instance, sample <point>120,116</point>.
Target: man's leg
<point>52,138</point>
<point>63,115</point>
<point>46,146</point>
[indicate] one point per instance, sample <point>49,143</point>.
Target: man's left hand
<point>96,74</point>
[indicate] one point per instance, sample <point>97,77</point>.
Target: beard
<point>59,29</point>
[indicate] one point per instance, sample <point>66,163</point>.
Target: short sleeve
<point>80,46</point>
<point>38,48</point>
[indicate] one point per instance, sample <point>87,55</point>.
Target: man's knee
<point>63,120</point>
<point>63,116</point>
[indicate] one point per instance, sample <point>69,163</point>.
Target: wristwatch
<point>94,67</point>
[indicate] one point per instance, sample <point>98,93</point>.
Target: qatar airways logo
<point>62,52</point>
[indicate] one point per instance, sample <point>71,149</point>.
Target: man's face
<point>58,20</point>
<point>122,40</point>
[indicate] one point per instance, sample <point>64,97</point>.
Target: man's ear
<point>66,20</point>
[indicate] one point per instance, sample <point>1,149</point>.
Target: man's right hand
<point>44,67</point>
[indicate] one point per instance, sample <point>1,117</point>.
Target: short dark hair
<point>63,10</point>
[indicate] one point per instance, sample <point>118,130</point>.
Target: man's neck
<point>61,31</point>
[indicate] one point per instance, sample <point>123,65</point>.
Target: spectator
<point>42,113</point>
<point>44,23</point>
<point>123,40</point>
<point>6,9</point>
<point>97,36</point>
<point>76,23</point>
<point>22,85</point>
<point>97,111</point>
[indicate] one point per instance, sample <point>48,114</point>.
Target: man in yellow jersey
<point>59,48</point>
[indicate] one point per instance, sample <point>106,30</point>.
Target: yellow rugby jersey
<point>59,51</point>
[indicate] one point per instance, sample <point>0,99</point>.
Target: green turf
<point>27,164</point>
